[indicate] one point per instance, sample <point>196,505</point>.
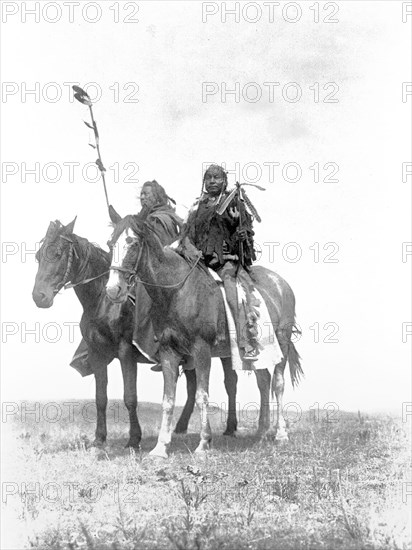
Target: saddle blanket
<point>270,354</point>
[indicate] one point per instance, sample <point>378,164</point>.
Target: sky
<point>315,112</point>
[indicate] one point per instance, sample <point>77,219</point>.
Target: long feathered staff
<point>82,96</point>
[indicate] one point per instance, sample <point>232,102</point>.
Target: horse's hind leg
<point>203,361</point>
<point>231,387</point>
<point>183,422</point>
<point>263,380</point>
<point>129,372</point>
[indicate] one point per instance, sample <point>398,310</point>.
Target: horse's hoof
<point>264,434</point>
<point>281,440</point>
<point>230,433</point>
<point>180,431</point>
<point>99,443</point>
<point>159,453</point>
<point>201,453</point>
<point>132,445</point>
<point>203,447</point>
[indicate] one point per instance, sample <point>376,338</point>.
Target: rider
<point>161,216</point>
<point>226,243</point>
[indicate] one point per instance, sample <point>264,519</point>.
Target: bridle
<point>132,273</point>
<point>66,277</point>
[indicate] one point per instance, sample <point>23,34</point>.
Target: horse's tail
<point>293,357</point>
<point>295,368</point>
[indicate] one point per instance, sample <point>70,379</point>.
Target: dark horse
<point>188,315</point>
<point>106,327</point>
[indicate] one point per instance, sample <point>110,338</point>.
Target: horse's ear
<point>68,229</point>
<point>114,216</point>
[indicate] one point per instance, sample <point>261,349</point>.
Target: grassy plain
<point>340,483</point>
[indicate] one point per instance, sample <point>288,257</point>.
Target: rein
<point>85,281</point>
<point>176,285</point>
<point>133,274</point>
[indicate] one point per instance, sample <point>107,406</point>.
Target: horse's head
<point>126,245</point>
<point>55,260</point>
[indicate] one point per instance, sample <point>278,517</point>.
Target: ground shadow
<point>182,445</point>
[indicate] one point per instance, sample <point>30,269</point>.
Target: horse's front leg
<point>129,372</point>
<point>263,381</point>
<point>231,387</point>
<point>202,360</point>
<point>183,422</point>
<point>100,374</point>
<point>170,367</point>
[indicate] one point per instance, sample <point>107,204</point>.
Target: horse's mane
<point>141,228</point>
<point>92,251</point>
<point>122,225</point>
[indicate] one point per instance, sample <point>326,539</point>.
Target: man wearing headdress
<point>226,243</point>
<point>159,213</point>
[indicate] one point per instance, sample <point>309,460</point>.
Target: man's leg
<point>238,286</point>
<point>144,337</point>
<point>251,306</point>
